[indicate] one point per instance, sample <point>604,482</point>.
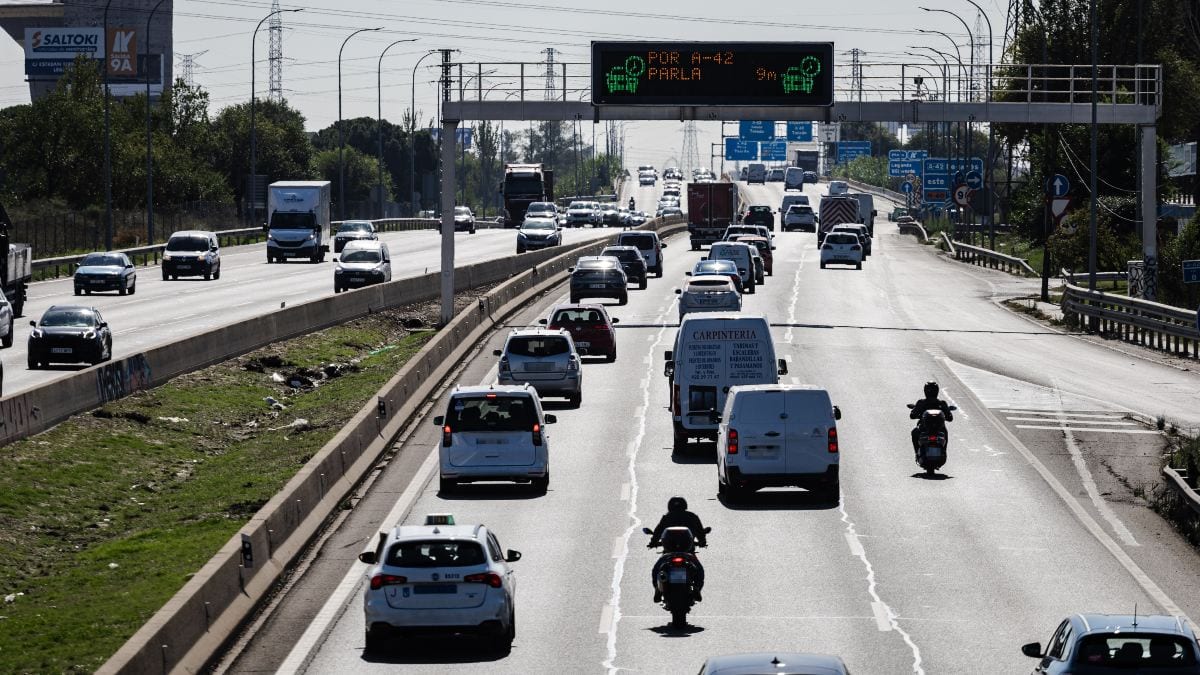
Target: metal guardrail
<point>914,229</point>
<point>1179,482</point>
<point>1145,323</point>
<point>53,268</point>
<point>988,258</point>
<point>1082,277</point>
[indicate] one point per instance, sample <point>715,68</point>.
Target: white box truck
<point>298,220</point>
<point>713,352</point>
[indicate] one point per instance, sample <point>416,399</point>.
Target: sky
<point>492,31</point>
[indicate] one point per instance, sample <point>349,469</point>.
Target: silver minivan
<point>778,435</point>
<point>545,359</point>
<point>362,263</point>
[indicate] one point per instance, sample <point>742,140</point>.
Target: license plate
<point>61,350</point>
<point>700,419</point>
<point>539,367</point>
<point>96,281</point>
<point>677,575</point>
<point>288,254</point>
<point>762,451</point>
<point>595,285</point>
<point>435,589</point>
<point>357,280</point>
<point>183,267</point>
<point>583,345</point>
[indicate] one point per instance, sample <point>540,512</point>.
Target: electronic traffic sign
<point>712,73</point>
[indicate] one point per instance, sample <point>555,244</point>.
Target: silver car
<point>709,293</point>
<point>545,359</point>
<point>353,230</point>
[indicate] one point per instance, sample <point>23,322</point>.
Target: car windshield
<point>187,244</point>
<point>435,553</point>
<point>579,205</point>
<point>462,211</point>
<point>760,209</point>
<point>362,256</point>
<point>501,413</point>
<point>68,317</point>
<point>541,207</point>
<point>715,267</point>
<point>102,259</point>
<point>356,226</point>
<point>841,238</point>
<point>1134,651</point>
<point>538,224</point>
<point>572,316</point>
<point>708,285</point>
<point>538,345</point>
<point>622,254</point>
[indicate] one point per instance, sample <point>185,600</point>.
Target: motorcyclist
<point>930,402</point>
<point>677,515</point>
<point>631,203</point>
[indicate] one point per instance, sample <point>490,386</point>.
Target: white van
<point>778,435</point>
<point>793,178</point>
<point>362,263</point>
<point>713,352</point>
<point>756,173</point>
<point>838,187</point>
<point>741,255</point>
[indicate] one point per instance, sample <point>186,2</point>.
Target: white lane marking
<point>1055,414</point>
<point>794,301</point>
<point>624,492</point>
<point>635,523</point>
<point>1097,429</point>
<point>1152,589</point>
<point>882,621</point>
<point>878,606</point>
<point>1070,419</point>
<point>606,619</point>
<point>618,546</point>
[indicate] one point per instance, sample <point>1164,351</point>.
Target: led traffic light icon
<point>801,78</point>
<point>625,78</point>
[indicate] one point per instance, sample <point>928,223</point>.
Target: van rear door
<point>809,419</point>
<point>761,424</point>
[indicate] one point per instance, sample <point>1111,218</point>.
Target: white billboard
<point>63,43</point>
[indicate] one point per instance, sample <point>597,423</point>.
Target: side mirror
<point>953,407</point>
<point>33,323</point>
<point>551,419</point>
<point>128,266</point>
<point>704,257</point>
<point>439,420</point>
<point>874,212</point>
<point>512,556</point>
<point>104,324</point>
<point>646,530</point>
<point>496,352</point>
<point>570,269</point>
<point>669,356</point>
<point>678,292</point>
<point>837,413</point>
<point>75,265</point>
<point>212,249</point>
<point>782,367</point>
<point>687,274</point>
<point>707,530</point>
<point>662,245</point>
<point>1033,650</point>
<point>335,260</point>
<point>367,557</point>
<point>542,321</point>
<point>911,406</point>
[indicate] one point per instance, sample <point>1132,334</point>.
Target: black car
<point>631,261</point>
<point>69,334</point>
<point>811,177</point>
<point>599,277</point>
<point>353,230</point>
<point>760,215</point>
<point>105,272</point>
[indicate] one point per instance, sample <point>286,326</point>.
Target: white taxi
<point>439,577</point>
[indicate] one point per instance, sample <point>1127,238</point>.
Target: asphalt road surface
<point>905,575</point>
<point>163,311</point>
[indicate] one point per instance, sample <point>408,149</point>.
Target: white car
<point>800,217</point>
<point>492,433</point>
<point>838,187</point>
<point>439,577</point>
<point>6,321</point>
<point>362,263</point>
<point>709,293</point>
<point>841,248</point>
<point>647,178</point>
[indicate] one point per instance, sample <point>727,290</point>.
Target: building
<point>55,31</point>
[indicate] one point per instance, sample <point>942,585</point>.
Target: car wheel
<point>858,266</point>
<point>472,229</point>
<point>659,272</point>
<point>32,363</point>
<point>575,399</point>
<point>752,289</point>
<point>165,275</point>
<point>679,441</point>
<point>609,357</point>
<point>133,288</point>
<point>503,642</point>
<point>447,485</point>
<point>217,274</point>
<point>541,485</point>
<point>207,273</point>
<point>822,265</point>
<point>78,291</point>
<point>337,289</point>
<point>623,299</point>
<point>642,284</point>
<point>122,290</point>
<point>374,641</point>
<point>7,341</point>
<point>87,291</point>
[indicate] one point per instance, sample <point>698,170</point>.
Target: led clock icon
<point>802,77</point>
<point>625,78</point>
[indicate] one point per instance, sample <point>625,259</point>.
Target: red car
<point>590,327</point>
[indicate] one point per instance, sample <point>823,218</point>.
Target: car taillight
<point>490,578</point>
<point>833,442</point>
<point>447,436</point>
<point>537,434</point>
<point>933,438</point>
<point>599,326</point>
<point>380,580</point>
<point>731,442</point>
<point>572,364</point>
<point>504,365</point>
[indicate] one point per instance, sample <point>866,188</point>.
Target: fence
<point>66,232</point>
<point>986,257</point>
<point>1140,322</point>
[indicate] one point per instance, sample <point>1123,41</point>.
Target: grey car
<point>776,663</point>
<point>110,271</point>
<point>1099,644</point>
<point>538,232</point>
<point>545,359</point>
<point>353,230</point>
<point>599,277</point>
<point>631,261</point>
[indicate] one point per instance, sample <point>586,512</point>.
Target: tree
<point>284,151</point>
<point>362,173</point>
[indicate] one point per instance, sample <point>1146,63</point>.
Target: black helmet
<point>931,389</point>
<point>676,504</point>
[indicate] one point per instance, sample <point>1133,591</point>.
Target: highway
<point>163,311</point>
<point>906,575</point>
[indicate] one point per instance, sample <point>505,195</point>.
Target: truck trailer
<point>712,207</point>
<point>298,220</point>
<point>16,266</point>
<point>523,185</point>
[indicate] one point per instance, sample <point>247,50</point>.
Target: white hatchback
<point>709,293</point>
<point>439,578</point>
<point>492,433</point>
<point>841,248</point>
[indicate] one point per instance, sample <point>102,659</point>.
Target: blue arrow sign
<point>1058,185</point>
<point>906,187</point>
<point>801,132</point>
<point>974,180</point>
<point>756,130</point>
<point>739,150</point>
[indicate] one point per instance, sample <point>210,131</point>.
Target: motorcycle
<point>676,571</point>
<point>932,439</point>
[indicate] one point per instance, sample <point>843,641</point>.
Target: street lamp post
<point>341,131</point>
<point>379,115</point>
<point>149,142</point>
<point>108,223</point>
<point>970,89</point>
<point>412,136</point>
<point>253,129</point>
<point>987,195</point>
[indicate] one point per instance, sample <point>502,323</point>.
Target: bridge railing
<point>1142,322</point>
<point>986,257</point>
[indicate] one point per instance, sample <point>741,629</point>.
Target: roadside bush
<point>1070,249</point>
<point>1185,246</point>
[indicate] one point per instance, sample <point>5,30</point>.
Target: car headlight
<point>36,333</point>
<point>521,235</point>
<point>312,236</point>
<point>89,334</point>
<point>166,256</point>
<point>339,271</point>
<point>270,236</point>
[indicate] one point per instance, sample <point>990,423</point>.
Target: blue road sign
<point>943,165</point>
<point>903,162</point>
<point>738,150</point>
<point>801,132</point>
<point>848,150</point>
<point>974,180</point>
<point>906,187</point>
<point>756,130</point>
<point>960,177</point>
<point>1057,185</point>
<point>772,151</point>
<point>462,135</point>
<point>1191,271</point>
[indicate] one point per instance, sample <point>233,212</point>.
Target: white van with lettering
<point>713,352</point>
